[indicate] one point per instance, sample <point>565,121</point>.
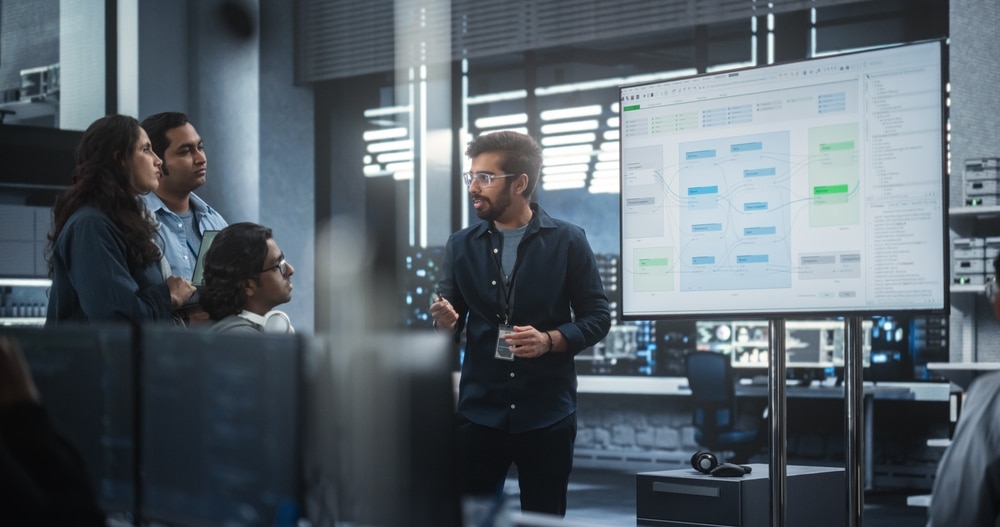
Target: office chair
<point>713,394</point>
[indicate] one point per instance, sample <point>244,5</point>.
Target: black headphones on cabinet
<point>705,462</point>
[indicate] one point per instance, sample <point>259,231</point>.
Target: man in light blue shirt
<point>183,217</point>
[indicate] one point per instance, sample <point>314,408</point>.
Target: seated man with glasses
<point>246,277</point>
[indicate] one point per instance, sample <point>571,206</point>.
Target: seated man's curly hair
<point>237,254</point>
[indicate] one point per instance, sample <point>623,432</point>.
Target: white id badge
<point>503,349</point>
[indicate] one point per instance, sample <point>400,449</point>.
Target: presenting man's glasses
<point>484,179</point>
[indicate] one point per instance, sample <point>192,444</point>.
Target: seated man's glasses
<point>282,267</point>
<point>484,179</point>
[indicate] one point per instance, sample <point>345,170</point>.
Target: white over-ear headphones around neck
<point>271,322</point>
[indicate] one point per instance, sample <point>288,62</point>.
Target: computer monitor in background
<point>890,357</point>
<point>812,347</point>
<point>815,188</point>
<point>84,375</point>
<point>220,428</point>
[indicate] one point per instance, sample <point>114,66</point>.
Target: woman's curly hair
<point>237,254</point>
<point>101,180</point>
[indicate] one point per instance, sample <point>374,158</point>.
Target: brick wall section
<point>634,422</point>
<point>650,432</point>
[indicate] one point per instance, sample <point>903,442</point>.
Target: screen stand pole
<point>854,421</point>
<point>777,471</point>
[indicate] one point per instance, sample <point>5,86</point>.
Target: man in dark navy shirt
<point>526,289</point>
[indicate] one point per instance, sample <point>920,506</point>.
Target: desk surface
<point>827,392</point>
<point>970,366</point>
<point>963,373</point>
<point>672,386</point>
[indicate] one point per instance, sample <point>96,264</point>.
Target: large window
<point>565,94</point>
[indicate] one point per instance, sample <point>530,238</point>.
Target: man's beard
<point>495,208</point>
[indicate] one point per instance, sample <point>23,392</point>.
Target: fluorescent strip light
<point>388,133</point>
<point>375,171</point>
<point>500,121</point>
<point>406,166</point>
<point>575,176</point>
<point>390,146</point>
<point>605,173</point>
<point>605,189</point>
<point>392,157</point>
<point>571,113</point>
<point>563,185</point>
<point>563,169</point>
<point>388,110</point>
<point>553,161</point>
<point>503,129</point>
<point>571,139</point>
<point>496,97</point>
<point>606,165</point>
<point>612,135</point>
<point>611,83</point>
<point>608,156</point>
<point>575,126</point>
<point>560,151</point>
<point>26,282</point>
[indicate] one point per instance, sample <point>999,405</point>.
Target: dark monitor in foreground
<point>220,441</point>
<point>84,375</point>
<point>381,432</point>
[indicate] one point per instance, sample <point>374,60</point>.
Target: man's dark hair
<point>237,254</point>
<point>520,153</point>
<point>158,125</point>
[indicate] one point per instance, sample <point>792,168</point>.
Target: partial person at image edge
<point>246,277</point>
<point>966,491</point>
<point>43,480</point>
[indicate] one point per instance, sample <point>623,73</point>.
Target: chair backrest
<point>710,378</point>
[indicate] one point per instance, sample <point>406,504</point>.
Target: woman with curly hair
<point>103,261</point>
<point>246,276</point>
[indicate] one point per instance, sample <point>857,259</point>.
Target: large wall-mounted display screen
<point>810,187</point>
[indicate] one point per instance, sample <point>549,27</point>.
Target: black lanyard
<point>508,288</point>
